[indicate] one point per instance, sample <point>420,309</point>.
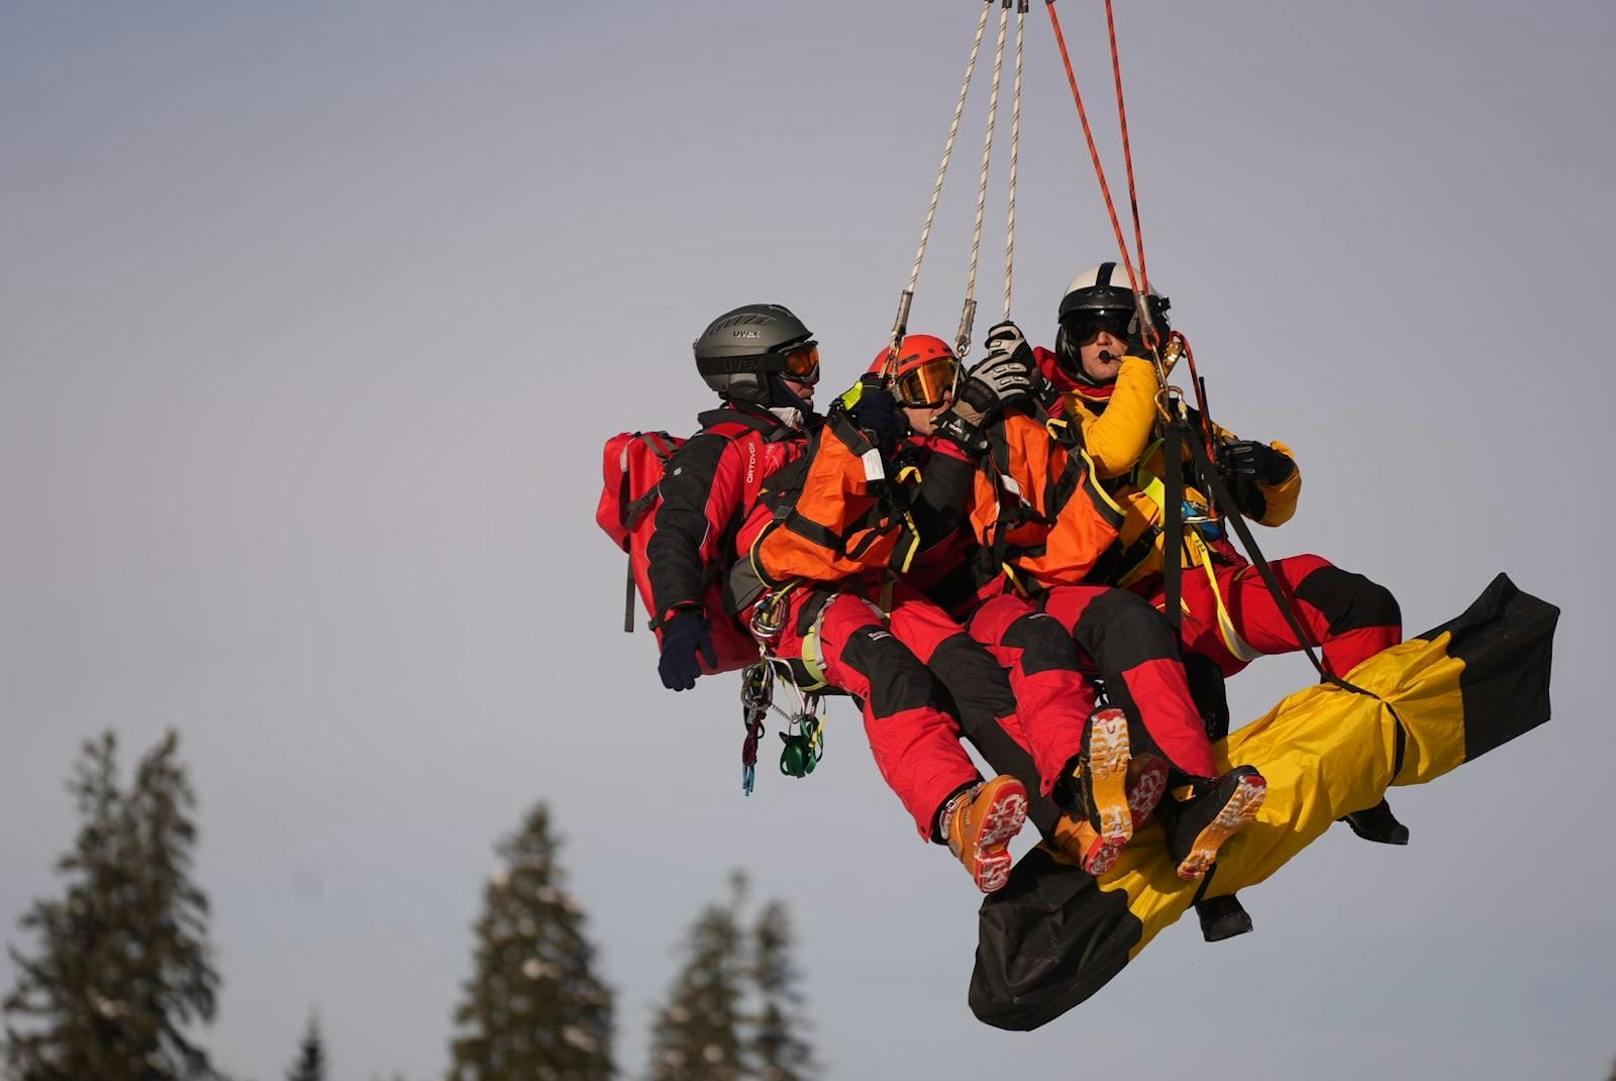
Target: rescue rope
<point>1015,152</point>
<point>1127,149</point>
<point>962,340</point>
<point>1147,326</point>
<point>901,324</point>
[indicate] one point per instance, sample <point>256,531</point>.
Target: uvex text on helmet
<point>741,348</point>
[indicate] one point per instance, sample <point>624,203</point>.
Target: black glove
<point>1248,461</point>
<point>683,637</point>
<point>876,412</point>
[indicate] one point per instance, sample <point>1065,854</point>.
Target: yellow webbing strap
<point>813,658</point>
<point>1236,645</point>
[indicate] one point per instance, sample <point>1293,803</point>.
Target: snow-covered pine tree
<point>697,1033</point>
<point>310,1063</point>
<point>777,1048</point>
<point>123,967</point>
<point>533,1009</point>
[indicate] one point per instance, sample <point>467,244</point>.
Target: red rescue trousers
<point>857,650</point>
<point>1349,616</point>
<point>1053,696</point>
<point>1132,650</point>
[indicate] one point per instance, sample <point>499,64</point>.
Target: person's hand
<point>876,411</point>
<point>1246,461</point>
<point>1001,377</point>
<point>1006,339</point>
<point>684,637</point>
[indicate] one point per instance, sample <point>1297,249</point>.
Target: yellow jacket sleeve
<point>1279,500</point>
<point>1116,438</point>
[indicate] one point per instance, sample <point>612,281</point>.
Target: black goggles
<point>1085,325</point>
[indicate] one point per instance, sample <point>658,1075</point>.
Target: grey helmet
<point>740,351</point>
<point>1101,293</point>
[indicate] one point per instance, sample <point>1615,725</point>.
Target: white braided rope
<point>948,147</point>
<point>982,186</point>
<point>1015,150</point>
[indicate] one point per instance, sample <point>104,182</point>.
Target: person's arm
<point>1263,478</point>
<point>1117,438</point>
<point>700,493</point>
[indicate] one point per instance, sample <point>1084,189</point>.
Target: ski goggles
<point>1085,325</point>
<point>923,386</point>
<point>802,363</point>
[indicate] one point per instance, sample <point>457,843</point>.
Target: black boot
<point>1222,917</point>
<point>1378,824</point>
<point>1214,815</point>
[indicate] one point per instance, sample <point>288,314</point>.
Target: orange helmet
<point>926,370</point>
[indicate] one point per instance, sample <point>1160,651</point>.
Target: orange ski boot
<point>1079,842</point>
<point>981,822</point>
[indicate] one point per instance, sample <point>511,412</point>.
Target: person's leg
<point>1137,658</point>
<point>915,743</point>
<point>1349,616</point>
<point>976,690</point>
<point>1053,699</point>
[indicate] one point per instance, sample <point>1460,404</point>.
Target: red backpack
<point>632,466</point>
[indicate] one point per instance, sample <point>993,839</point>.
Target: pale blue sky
<point>313,318</point>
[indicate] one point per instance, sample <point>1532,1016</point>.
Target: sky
<point>314,317</point>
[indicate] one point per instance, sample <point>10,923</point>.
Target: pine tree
<point>123,968</point>
<point>533,1009</point>
<point>310,1064</point>
<point>697,1035</point>
<point>778,1051</point>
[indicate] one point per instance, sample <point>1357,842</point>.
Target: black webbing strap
<point>1173,522</point>
<point>628,598</point>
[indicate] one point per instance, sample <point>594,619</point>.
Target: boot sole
<point>1145,792</point>
<point>1108,756</point>
<point>1002,819</point>
<point>1236,814</point>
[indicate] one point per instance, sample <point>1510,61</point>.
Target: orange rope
<point>1127,150</point>
<point>1094,151</point>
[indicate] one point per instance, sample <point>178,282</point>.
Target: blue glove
<point>683,637</point>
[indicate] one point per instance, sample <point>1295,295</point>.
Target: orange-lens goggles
<point>924,386</point>
<point>802,363</point>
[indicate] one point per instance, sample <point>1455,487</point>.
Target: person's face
<point>1102,343</point>
<point>923,418</point>
<point>805,391</point>
<point>801,373</point>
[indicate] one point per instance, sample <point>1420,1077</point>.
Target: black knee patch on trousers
<point>1045,646</point>
<point>1120,630</point>
<point>898,681</point>
<point>1349,601</point>
<point>979,687</point>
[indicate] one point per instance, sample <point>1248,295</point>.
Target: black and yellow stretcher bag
<point>1054,936</point>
